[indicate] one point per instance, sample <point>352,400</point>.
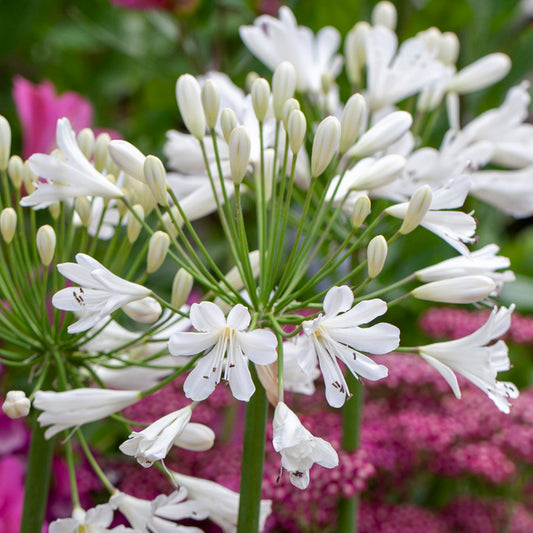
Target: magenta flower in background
<point>179,6</point>
<point>11,494</point>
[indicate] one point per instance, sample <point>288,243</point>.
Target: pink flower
<point>180,6</point>
<point>11,494</point>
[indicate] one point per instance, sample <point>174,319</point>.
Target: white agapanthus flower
<point>95,520</point>
<point>100,292</point>
<point>228,346</point>
<point>274,40</point>
<point>300,368</point>
<point>337,335</point>
<point>476,359</point>
<point>63,410</point>
<point>154,442</point>
<point>298,448</point>
<point>161,514</point>
<point>75,176</point>
<point>221,503</point>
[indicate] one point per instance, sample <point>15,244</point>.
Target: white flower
<point>222,336</point>
<point>298,448</point>
<point>153,443</point>
<point>458,290</point>
<point>67,179</point>
<point>62,410</point>
<point>477,360</point>
<point>337,335</point>
<point>95,520</point>
<point>221,503</point>
<point>299,366</point>
<point>159,515</point>
<point>274,40</point>
<point>100,292</point>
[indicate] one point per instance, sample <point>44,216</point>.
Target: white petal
<point>338,300</point>
<point>238,318</point>
<point>259,345</point>
<point>191,342</point>
<point>446,372</point>
<point>207,316</point>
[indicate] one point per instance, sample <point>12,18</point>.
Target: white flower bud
<point>5,142</point>
<point>449,48</point>
<point>270,174</point>
<point>326,82</point>
<point>296,130</point>
<point>28,178</point>
<point>83,208</point>
<point>100,151</point>
<point>198,438</point>
<point>228,122</point>
<point>54,210</point>
<point>15,169</point>
<point>233,277</point>
<point>8,224</point>
<point>127,158</point>
<point>460,290</point>
<point>361,209</point>
<point>86,142</point>
<point>181,288</point>
<point>288,107</point>
<point>432,38</point>
<point>250,80</point>
<point>16,404</point>
<point>480,74</point>
<point>134,226</point>
<point>260,98</point>
<point>376,255</point>
<point>384,14</point>
<point>325,144</point>
<point>354,51</point>
<point>46,244</point>
<point>239,153</point>
<point>417,209</point>
<point>353,121</point>
<point>157,251</point>
<point>283,86</point>
<point>190,105</point>
<point>210,103</point>
<point>388,130</point>
<point>168,223</point>
<point>155,177</point>
<point>146,310</point>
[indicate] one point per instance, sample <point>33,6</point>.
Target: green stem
<point>253,454</point>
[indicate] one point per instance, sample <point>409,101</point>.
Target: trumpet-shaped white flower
<point>476,359</point>
<point>274,40</point>
<point>161,514</point>
<point>100,292</point>
<point>336,335</point>
<point>153,443</point>
<point>222,337</point>
<point>97,520</point>
<point>67,179</point>
<point>298,448</point>
<point>62,410</point>
<point>221,503</point>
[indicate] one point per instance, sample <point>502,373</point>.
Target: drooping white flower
<point>274,40</point>
<point>73,177</point>
<point>298,448</point>
<point>62,410</point>
<point>95,520</point>
<point>476,359</point>
<point>159,515</point>
<point>336,335</point>
<point>100,292</point>
<point>221,503</point>
<point>222,337</point>
<point>154,442</point>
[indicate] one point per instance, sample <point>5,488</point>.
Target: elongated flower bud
<point>480,74</point>
<point>157,251</point>
<point>449,48</point>
<point>270,172</point>
<point>288,107</point>
<point>460,290</point>
<point>417,209</point>
<point>155,177</point>
<point>190,105</point>
<point>100,151</point>
<point>325,144</point>
<point>181,288</point>
<point>384,14</point>
<point>228,122</point>
<point>239,153</point>
<point>134,225</point>
<point>28,178</point>
<point>260,98</point>
<point>361,208</point>
<point>354,51</point>
<point>54,210</point>
<point>376,255</point>
<point>8,224</point>
<point>5,142</point>
<point>15,169</point>
<point>283,86</point>
<point>46,244</point>
<point>146,310</point>
<point>16,404</point>
<point>86,142</point>
<point>353,121</point>
<point>210,103</point>
<point>83,208</point>
<point>127,158</point>
<point>296,129</point>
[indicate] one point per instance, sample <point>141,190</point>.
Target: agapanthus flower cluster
<point>311,196</point>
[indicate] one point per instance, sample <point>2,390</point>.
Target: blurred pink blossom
<point>11,494</point>
<point>180,6</point>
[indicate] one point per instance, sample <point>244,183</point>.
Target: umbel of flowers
<point>310,193</point>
